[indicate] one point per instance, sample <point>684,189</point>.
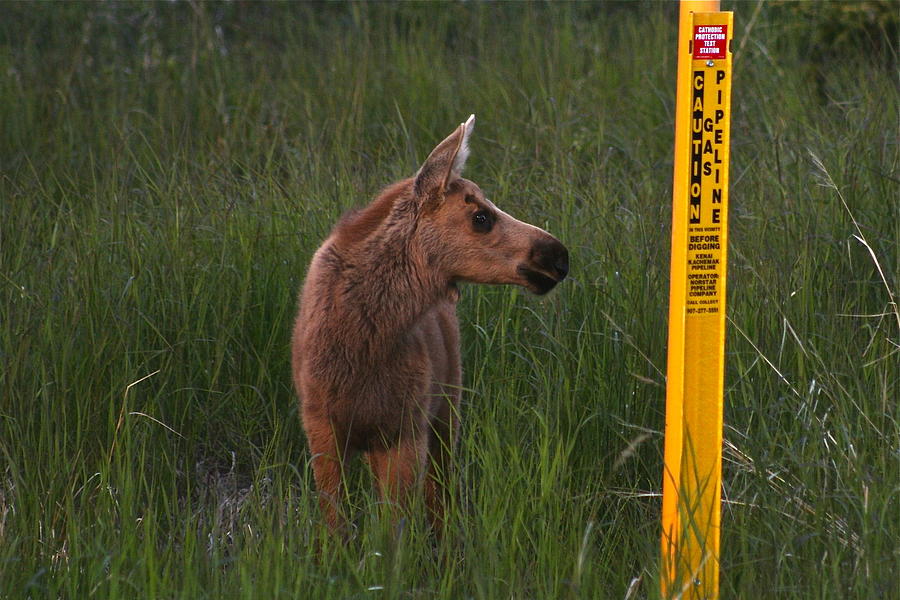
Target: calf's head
<point>467,238</point>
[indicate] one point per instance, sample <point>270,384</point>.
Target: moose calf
<point>376,359</point>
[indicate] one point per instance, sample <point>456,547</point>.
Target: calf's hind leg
<point>397,470</point>
<point>442,437</point>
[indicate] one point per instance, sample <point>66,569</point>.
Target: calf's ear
<point>445,163</point>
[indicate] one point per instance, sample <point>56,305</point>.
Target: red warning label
<point>710,41</point>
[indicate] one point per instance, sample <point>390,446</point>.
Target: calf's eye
<point>482,222</point>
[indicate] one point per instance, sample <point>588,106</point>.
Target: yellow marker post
<point>694,389</point>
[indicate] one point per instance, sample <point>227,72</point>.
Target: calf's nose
<point>552,257</point>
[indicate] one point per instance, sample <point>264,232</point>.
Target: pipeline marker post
<point>692,478</point>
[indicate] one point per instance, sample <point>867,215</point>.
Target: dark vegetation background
<point>167,170</point>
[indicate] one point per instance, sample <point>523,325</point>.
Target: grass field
<point>167,170</point>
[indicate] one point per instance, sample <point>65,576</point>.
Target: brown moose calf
<point>376,342</point>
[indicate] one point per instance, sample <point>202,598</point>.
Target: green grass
<point>167,171</point>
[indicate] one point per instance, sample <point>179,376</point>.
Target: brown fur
<point>376,358</point>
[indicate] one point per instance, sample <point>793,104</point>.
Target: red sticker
<point>710,41</point>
